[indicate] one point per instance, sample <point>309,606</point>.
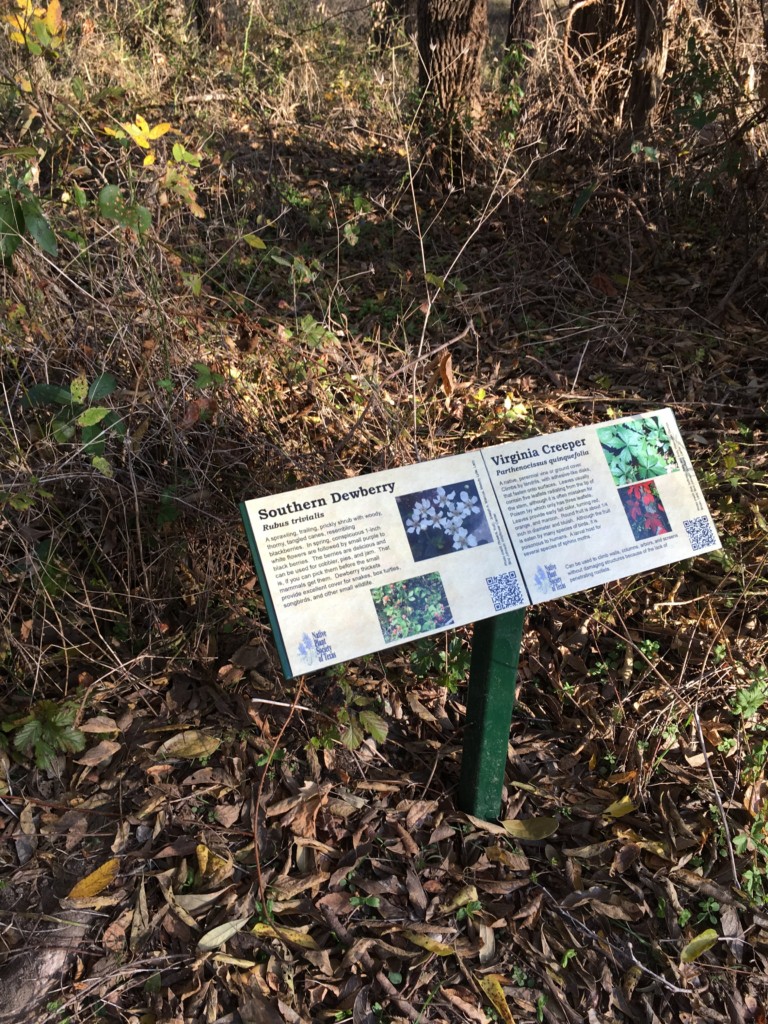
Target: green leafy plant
<point>365,901</point>
<point>637,450</point>
<point>468,911</point>
<point>512,72</point>
<point>47,731</point>
<point>412,606</point>
<point>355,719</point>
<point>178,178</point>
<point>748,701</point>
<point>754,843</point>
<point>699,87</point>
<point>446,662</point>
<point>78,409</point>
<point>126,213</point>
<point>709,911</point>
<point>20,215</point>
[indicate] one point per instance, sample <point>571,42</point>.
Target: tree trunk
<point>520,25</point>
<point>452,36</point>
<point>649,59</point>
<point>210,21</point>
<point>387,17</point>
<point>628,39</point>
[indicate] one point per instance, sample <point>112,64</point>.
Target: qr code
<point>699,532</point>
<point>505,591</point>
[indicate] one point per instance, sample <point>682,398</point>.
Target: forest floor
<point>186,836</point>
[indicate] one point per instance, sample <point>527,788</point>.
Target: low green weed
<point>445,661</point>
<point>47,731</point>
<point>746,703</point>
<point>754,843</point>
<point>79,408</point>
<point>21,214</point>
<point>355,719</point>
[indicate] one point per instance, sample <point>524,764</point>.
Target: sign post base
<point>490,703</point>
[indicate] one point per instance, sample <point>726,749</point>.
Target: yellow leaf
<point>467,894</point>
<point>531,828</point>
<point>189,744</point>
<point>620,807</point>
<point>211,867</point>
<point>494,993</point>
<point>97,881</point>
<point>142,124</point>
<point>699,945</point>
<point>149,159</point>
<point>53,19</point>
<point>289,935</point>
<point>137,134</point>
<point>222,933</point>
<point>254,241</point>
<point>116,132</point>
<point>24,83</point>
<point>428,943</point>
<point>234,961</point>
<point>159,129</point>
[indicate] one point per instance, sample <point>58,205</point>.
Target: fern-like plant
<point>46,732</point>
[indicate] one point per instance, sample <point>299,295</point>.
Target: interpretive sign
<point>352,567</point>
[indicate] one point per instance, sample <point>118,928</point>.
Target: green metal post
<point>490,703</point>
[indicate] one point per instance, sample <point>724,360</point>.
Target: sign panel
<point>353,567</point>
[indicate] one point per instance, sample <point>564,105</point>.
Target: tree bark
<point>210,21</point>
<point>520,25</point>
<point>452,35</point>
<point>387,16</point>
<point>649,59</point>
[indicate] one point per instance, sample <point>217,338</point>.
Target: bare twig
<point>718,801</point>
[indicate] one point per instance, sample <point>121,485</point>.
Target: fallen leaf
<point>189,744</point>
<point>283,888</point>
<point>446,374</point>
<point>700,944</point>
<point>194,902</point>
<point>531,829</point>
<point>212,869</point>
<point>234,961</point>
<point>428,943</point>
<point>102,752</point>
<point>620,807</point>
<point>514,861</point>
<point>221,933</point>
<point>289,935</point>
<point>114,937</point>
<point>416,706</point>
<point>494,993</point>
<point>467,894</point>
<point>97,881</point>
<point>487,951</point>
<point>140,926</point>
<point>461,1001</point>
<point>101,723</point>
<point>488,826</point>
<point>756,797</point>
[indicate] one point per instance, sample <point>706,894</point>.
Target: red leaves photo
<point>644,510</point>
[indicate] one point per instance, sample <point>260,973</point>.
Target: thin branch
<point>718,801</point>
